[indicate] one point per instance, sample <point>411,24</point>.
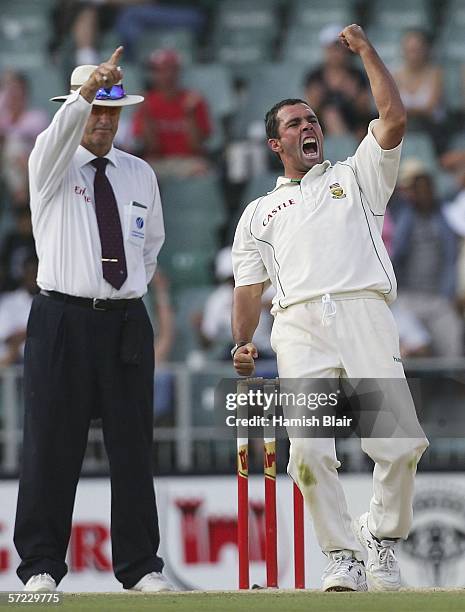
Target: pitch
<point>435,600</point>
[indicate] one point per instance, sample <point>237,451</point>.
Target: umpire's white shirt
<point>322,235</point>
<point>63,212</point>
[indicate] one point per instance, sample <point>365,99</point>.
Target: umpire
<point>98,227</point>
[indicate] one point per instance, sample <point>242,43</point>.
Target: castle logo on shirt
<point>337,192</point>
<point>272,213</point>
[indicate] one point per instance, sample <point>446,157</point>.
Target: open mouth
<point>310,147</point>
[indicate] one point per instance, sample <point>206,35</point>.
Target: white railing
<point>191,442</point>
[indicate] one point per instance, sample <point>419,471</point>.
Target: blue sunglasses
<point>111,93</point>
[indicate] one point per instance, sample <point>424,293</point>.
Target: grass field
<point>264,601</point>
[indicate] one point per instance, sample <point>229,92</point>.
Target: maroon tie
<point>109,227</point>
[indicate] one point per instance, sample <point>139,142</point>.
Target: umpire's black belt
<point>94,303</point>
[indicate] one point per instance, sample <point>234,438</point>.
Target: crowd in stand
<point>424,230</point>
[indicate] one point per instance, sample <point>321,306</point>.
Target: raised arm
<point>390,128</point>
<point>247,305</point>
<point>56,146</point>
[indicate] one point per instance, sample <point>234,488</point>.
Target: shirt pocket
<point>135,218</point>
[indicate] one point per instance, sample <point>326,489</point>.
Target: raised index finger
<point>116,56</point>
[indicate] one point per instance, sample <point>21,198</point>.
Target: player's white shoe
<point>382,567</point>
<point>41,583</point>
<point>344,572</point>
<point>154,582</point>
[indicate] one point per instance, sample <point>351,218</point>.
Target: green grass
<point>264,601</point>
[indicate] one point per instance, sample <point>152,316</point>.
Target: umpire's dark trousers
<point>73,372</point>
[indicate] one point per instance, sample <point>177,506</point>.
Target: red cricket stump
<point>271,540</point>
<point>243,511</point>
<point>269,469</point>
<point>243,495</point>
<point>299,539</point>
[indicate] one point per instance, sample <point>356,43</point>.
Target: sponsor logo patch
<point>337,192</point>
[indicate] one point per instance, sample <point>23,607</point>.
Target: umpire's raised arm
<point>390,128</point>
<point>56,146</point>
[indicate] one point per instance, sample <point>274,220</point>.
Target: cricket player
<point>317,238</point>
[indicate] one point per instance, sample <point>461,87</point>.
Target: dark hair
<point>271,117</point>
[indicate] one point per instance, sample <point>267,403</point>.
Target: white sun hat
<point>111,96</point>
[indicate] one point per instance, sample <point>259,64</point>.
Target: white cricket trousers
<point>358,340</point>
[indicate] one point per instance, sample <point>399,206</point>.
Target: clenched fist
<point>244,359</point>
<point>354,38</point>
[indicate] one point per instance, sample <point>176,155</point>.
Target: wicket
<point>269,469</point>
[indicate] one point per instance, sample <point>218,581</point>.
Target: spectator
<point>85,21</point>
<point>215,323</point>
<point>14,312</point>
<point>163,323</point>
<point>173,123</point>
<point>337,91</point>
<point>454,213</point>
<point>420,81</point>
<point>133,20</point>
<point>453,161</point>
<point>163,315</point>
<point>17,246</point>
<point>19,127</point>
<point>424,256</point>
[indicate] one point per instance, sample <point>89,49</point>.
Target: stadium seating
<point>303,46</point>
<point>316,14</point>
<point>401,14</point>
<point>339,148</point>
<point>419,145</point>
<point>454,85</point>
<point>213,81</point>
<point>186,267</point>
<point>259,185</point>
<point>301,41</point>
<point>187,303</point>
<point>193,212</point>
<point>446,185</point>
<point>183,40</point>
<point>271,83</point>
<point>451,36</point>
<point>23,34</point>
<point>245,32</point>
<point>43,85</point>
<point>452,42</point>
<point>454,14</point>
<point>388,43</point>
<point>457,142</point>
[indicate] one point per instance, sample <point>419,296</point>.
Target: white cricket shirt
<point>322,235</point>
<point>63,212</point>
